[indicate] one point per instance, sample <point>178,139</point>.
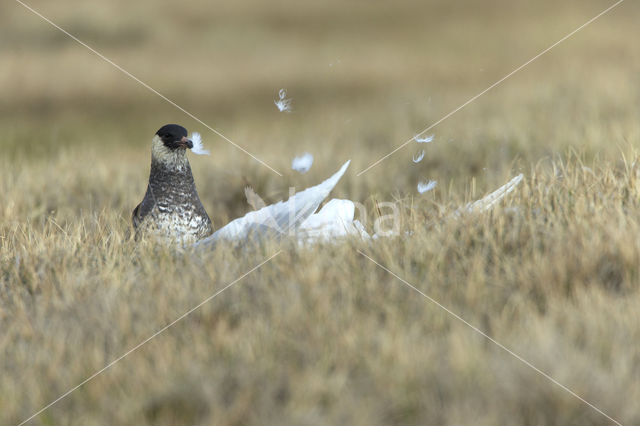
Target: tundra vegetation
<point>320,334</point>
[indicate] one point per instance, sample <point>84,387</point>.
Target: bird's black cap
<point>172,129</point>
<point>174,136</point>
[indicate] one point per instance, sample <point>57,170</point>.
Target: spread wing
<point>490,200</point>
<point>280,219</point>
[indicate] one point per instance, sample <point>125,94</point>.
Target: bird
<point>171,209</point>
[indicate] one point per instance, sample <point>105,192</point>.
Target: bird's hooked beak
<point>185,143</point>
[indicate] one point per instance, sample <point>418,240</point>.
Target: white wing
<point>490,200</point>
<point>279,219</point>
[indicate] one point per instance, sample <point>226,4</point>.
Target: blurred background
<point>364,77</point>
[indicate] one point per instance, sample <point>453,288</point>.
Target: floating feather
<point>419,157</point>
<point>419,139</point>
<point>283,104</point>
<point>426,186</point>
<point>302,163</point>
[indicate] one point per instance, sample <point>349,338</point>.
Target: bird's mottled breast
<point>171,208</point>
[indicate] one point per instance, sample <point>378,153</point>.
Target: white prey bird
<point>297,217</point>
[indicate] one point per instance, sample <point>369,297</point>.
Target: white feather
<point>197,144</point>
<point>282,103</point>
<point>426,186</point>
<point>490,200</point>
<point>419,139</point>
<point>419,157</point>
<point>302,163</point>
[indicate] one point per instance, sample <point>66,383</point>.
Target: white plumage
<point>418,158</point>
<point>281,219</point>
<point>334,220</point>
<point>197,144</point>
<point>297,217</point>
<point>302,163</point>
<point>420,139</point>
<point>282,103</point>
<point>426,186</point>
<point>490,200</point>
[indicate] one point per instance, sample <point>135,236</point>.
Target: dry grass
<point>322,335</point>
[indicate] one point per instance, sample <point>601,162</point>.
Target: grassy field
<point>321,335</point>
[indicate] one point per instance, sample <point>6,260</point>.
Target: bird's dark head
<point>174,136</point>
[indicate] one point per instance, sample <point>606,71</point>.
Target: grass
<point>322,335</point>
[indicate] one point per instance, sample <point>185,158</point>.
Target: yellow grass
<point>322,335</point>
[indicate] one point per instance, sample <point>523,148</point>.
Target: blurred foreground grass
<point>322,335</point>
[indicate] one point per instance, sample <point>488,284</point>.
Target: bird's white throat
<point>172,158</point>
